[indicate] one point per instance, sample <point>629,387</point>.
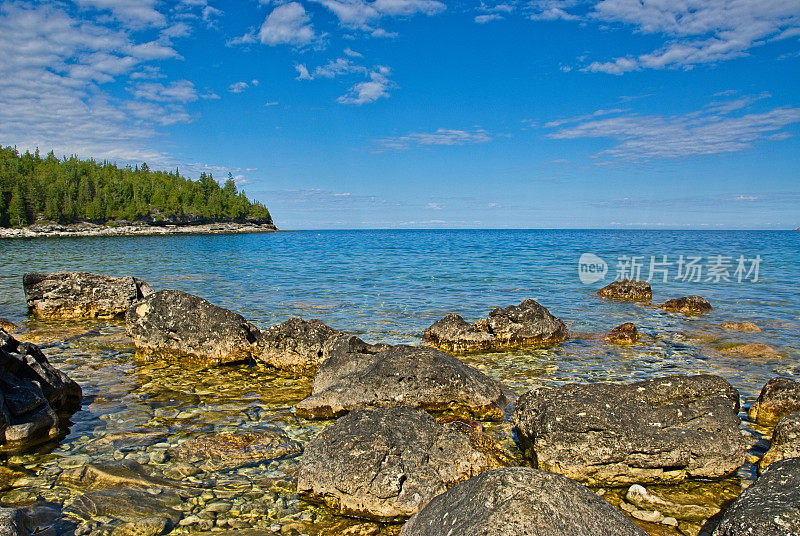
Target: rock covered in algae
<point>658,430</point>
<point>35,397</point>
<point>770,507</point>
<point>778,397</point>
<point>628,290</point>
<point>172,323</point>
<point>785,441</point>
<point>519,500</point>
<point>623,334</point>
<point>71,295</point>
<point>528,324</point>
<point>688,305</point>
<point>229,450</point>
<point>402,376</point>
<point>387,463</point>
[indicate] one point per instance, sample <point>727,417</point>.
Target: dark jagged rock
<point>623,334</point>
<point>35,398</point>
<point>627,289</point>
<point>302,346</point>
<point>516,501</point>
<point>785,441</point>
<point>528,324</point>
<point>70,295</point>
<point>401,375</point>
<point>659,430</point>
<point>778,397</point>
<point>770,507</point>
<point>171,323</point>
<point>688,305</point>
<point>12,522</point>
<point>385,464</point>
<point>225,451</point>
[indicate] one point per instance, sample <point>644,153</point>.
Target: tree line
<point>70,190</point>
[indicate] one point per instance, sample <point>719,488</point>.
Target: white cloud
<point>483,19</point>
<point>137,13</point>
<point>368,92</point>
<point>441,136</point>
<point>239,87</point>
<point>362,14</point>
<point>696,31</point>
<point>331,69</point>
<point>434,206</point>
<point>713,130</point>
<point>352,53</point>
<point>178,91</point>
<point>287,24</point>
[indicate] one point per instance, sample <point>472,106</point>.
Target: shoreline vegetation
<point>48,196</point>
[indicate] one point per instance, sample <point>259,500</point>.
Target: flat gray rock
<point>402,375</point>
<point>519,501</point>
<point>770,507</point>
<point>659,430</point>
<point>385,464</point>
<point>174,324</point>
<point>70,295</point>
<point>528,324</point>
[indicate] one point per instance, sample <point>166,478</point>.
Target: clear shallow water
<point>386,286</point>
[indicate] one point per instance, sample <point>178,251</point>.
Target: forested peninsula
<point>69,194</point>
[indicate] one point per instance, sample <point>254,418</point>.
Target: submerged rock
<point>770,507</point>
<point>171,323</point>
<point>752,350</point>
<point>35,397</point>
<point>627,289</point>
<point>225,451</point>
<point>519,500</point>
<point>8,325</point>
<point>70,295</point>
<point>623,334</point>
<point>129,505</point>
<point>659,430</point>
<point>785,441</point>
<point>302,346</point>
<point>778,397</point>
<point>385,464</point>
<point>525,325</point>
<point>744,327</point>
<point>402,375</point>
<point>688,305</point>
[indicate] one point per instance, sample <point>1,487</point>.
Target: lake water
<point>388,286</point>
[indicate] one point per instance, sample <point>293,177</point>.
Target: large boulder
<point>70,295</point>
<point>658,430</point>
<point>35,398</point>
<point>518,500</point>
<point>785,441</point>
<point>171,323</point>
<point>778,397</point>
<point>770,507</point>
<point>387,463</point>
<point>528,324</point>
<point>12,522</point>
<point>401,375</point>
<point>688,305</point>
<point>301,346</point>
<point>627,289</point>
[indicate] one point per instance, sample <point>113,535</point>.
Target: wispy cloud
<point>377,87</point>
<point>240,87</point>
<point>716,129</point>
<point>364,15</point>
<point>442,136</point>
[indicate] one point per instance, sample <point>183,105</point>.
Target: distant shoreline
<point>90,229</point>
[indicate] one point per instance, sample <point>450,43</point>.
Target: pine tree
<point>17,213</point>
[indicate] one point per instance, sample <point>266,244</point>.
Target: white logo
<point>591,268</point>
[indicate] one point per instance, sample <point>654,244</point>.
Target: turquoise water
<point>387,286</point>
<point>390,285</point>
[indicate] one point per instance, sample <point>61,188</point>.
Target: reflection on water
<point>386,287</point>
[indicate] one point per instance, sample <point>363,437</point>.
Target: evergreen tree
<point>17,213</point>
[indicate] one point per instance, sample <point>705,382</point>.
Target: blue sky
<point>429,113</point>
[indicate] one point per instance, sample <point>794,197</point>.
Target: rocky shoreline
<point>408,443</point>
<point>135,229</point>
